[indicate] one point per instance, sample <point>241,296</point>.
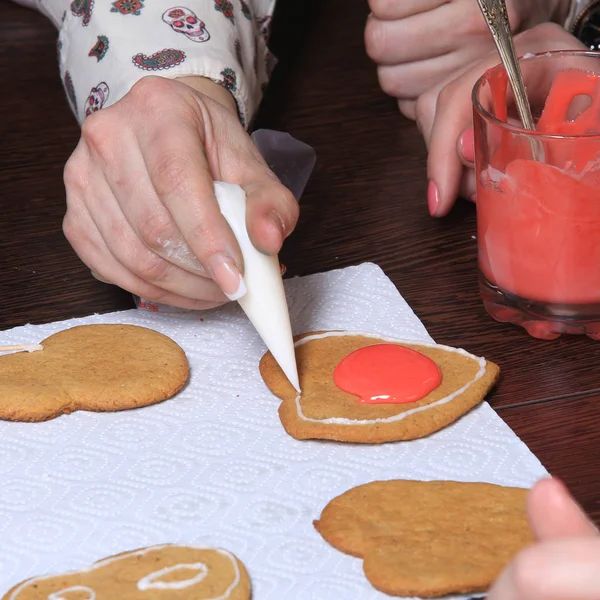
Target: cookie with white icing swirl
<point>165,572</point>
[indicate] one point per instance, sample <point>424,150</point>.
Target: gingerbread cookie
<point>428,539</point>
<point>360,387</point>
<point>161,572</point>
<point>91,367</point>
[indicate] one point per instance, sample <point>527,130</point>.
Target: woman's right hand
<point>564,563</point>
<point>141,210</point>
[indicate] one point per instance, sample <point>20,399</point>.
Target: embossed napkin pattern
<point>214,466</point>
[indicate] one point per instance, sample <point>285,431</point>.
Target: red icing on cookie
<point>387,374</point>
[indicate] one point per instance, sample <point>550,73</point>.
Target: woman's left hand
<point>444,114</point>
<point>417,44</point>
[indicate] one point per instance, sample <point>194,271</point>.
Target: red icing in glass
<point>387,374</point>
<point>538,227</point>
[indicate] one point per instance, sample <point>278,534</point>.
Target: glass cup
<point>538,195</point>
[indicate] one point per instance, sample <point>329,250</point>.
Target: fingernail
<point>474,198</point>
<point>433,198</point>
<point>227,276</point>
<point>467,145</point>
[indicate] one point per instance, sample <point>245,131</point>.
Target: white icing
<point>21,348</point>
<point>91,594</point>
<point>401,416</point>
<point>34,348</point>
<point>149,582</point>
<point>107,561</point>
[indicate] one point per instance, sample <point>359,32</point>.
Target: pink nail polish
<point>227,276</point>
<point>474,198</point>
<point>433,198</point>
<point>467,145</point>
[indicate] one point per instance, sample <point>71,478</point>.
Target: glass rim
<point>486,115</point>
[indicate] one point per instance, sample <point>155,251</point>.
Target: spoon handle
<point>496,17</point>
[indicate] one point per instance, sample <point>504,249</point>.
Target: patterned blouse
<point>105,46</point>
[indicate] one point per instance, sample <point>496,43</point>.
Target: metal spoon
<point>496,16</point>
<point>494,12</point>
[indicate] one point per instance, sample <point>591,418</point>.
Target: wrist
<point>213,90</point>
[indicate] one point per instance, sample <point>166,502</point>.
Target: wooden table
<point>365,202</point>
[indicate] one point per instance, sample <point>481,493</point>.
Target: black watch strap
<point>585,24</point>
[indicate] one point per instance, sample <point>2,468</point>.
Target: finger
<point>552,570</point>
<point>96,276</point>
<point>176,162</point>
<point>453,114</point>
<point>272,214</point>
<point>407,108</point>
<point>114,147</point>
<point>504,588</point>
<point>402,40</point>
<point>466,147</point>
<point>467,184</point>
<point>127,249</point>
<point>86,240</point>
<point>400,9</point>
<point>553,513</point>
<point>410,80</point>
<point>272,209</point>
<point>184,184</point>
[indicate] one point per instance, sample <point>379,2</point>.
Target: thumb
<point>272,213</point>
<point>271,209</point>
<point>553,513</point>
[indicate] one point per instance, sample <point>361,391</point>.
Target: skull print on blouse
<point>117,42</point>
<point>184,20</point>
<point>97,98</point>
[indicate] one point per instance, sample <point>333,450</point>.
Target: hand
<point>564,563</point>
<point>445,117</point>
<point>419,43</point>
<point>141,211</point>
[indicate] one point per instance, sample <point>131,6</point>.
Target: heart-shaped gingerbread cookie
<point>91,367</point>
<point>366,388</point>
<point>428,538</point>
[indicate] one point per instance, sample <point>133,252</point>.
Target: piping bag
<point>264,303</point>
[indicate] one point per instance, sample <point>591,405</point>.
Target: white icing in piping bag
<point>264,303</point>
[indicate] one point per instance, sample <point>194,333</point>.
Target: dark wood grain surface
<point>564,435</point>
<point>365,202</point>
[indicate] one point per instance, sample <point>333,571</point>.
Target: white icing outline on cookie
<point>106,561</point>
<point>148,583</point>
<point>400,416</point>
<point>74,588</point>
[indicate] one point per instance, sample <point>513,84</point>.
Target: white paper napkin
<point>214,466</point>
